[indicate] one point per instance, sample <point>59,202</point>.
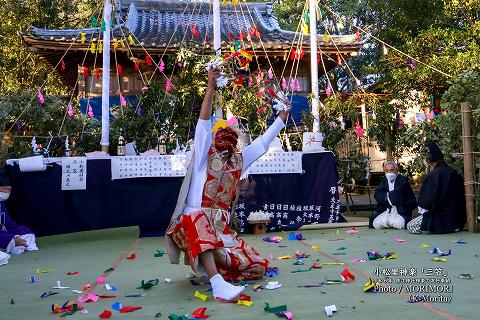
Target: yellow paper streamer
<point>200,296</point>
<point>92,47</point>
<point>234,2</point>
<point>115,44</point>
<point>326,38</point>
<point>100,47</point>
<point>245,303</point>
<point>130,39</point>
<point>439,259</point>
<point>305,28</point>
<point>82,37</point>
<point>38,271</point>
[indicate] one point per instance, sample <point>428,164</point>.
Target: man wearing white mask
<point>14,239</point>
<point>395,200</point>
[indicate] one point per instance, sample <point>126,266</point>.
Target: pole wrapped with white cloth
<point>217,40</point>
<point>107,17</point>
<point>314,66</point>
<point>312,141</point>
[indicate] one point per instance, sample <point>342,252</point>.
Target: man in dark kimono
<point>14,239</point>
<point>395,200</point>
<point>441,202</point>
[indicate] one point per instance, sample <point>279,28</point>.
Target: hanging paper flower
<point>100,47</point>
<point>119,69</point>
<point>70,110</point>
<point>297,85</point>
<point>411,63</point>
<point>326,38</point>
<point>130,39</point>
<point>161,66</point>
<point>94,21</point>
<point>148,61</point>
<point>123,101</point>
<point>40,96</point>
<point>250,82</point>
<point>284,84</point>
<point>235,2</point>
<point>138,112</point>
<point>144,88</point>
<point>97,73</point>
<point>90,111</point>
<point>93,47</point>
<point>82,37</point>
<point>168,86</point>
<point>62,65</point>
<point>385,49</point>
<point>255,32</point>
<point>136,66</point>
<point>259,77</point>
<point>328,90</point>
<point>431,115</point>
<point>358,82</point>
<point>195,31</point>
<point>305,28</point>
<point>358,129</point>
<point>358,37</point>
<point>292,85</point>
<point>270,73</point>
<point>85,72</point>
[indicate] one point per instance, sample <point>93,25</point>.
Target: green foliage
<point>21,69</point>
<point>39,120</point>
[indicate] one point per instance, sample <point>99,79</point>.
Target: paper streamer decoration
<point>70,111</point>
<point>40,96</point>
<point>123,101</point>
<point>284,84</point>
<point>168,86</point>
<point>90,111</point>
<point>358,129</point>
<point>161,66</point>
<point>32,164</point>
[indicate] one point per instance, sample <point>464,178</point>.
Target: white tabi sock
<point>224,290</point>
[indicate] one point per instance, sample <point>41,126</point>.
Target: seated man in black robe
<point>395,200</point>
<point>441,202</point>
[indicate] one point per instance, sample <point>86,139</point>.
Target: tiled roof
<point>159,26</point>
<point>168,22</point>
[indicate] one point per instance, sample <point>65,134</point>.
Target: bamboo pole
<point>468,165</point>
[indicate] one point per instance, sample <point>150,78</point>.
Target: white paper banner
<point>74,173</point>
<point>143,167</point>
<point>277,162</point>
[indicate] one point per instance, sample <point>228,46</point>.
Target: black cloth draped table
<point>37,200</point>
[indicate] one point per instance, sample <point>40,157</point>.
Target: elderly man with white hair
<point>395,200</point>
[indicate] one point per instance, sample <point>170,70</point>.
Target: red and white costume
<point>201,220</point>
